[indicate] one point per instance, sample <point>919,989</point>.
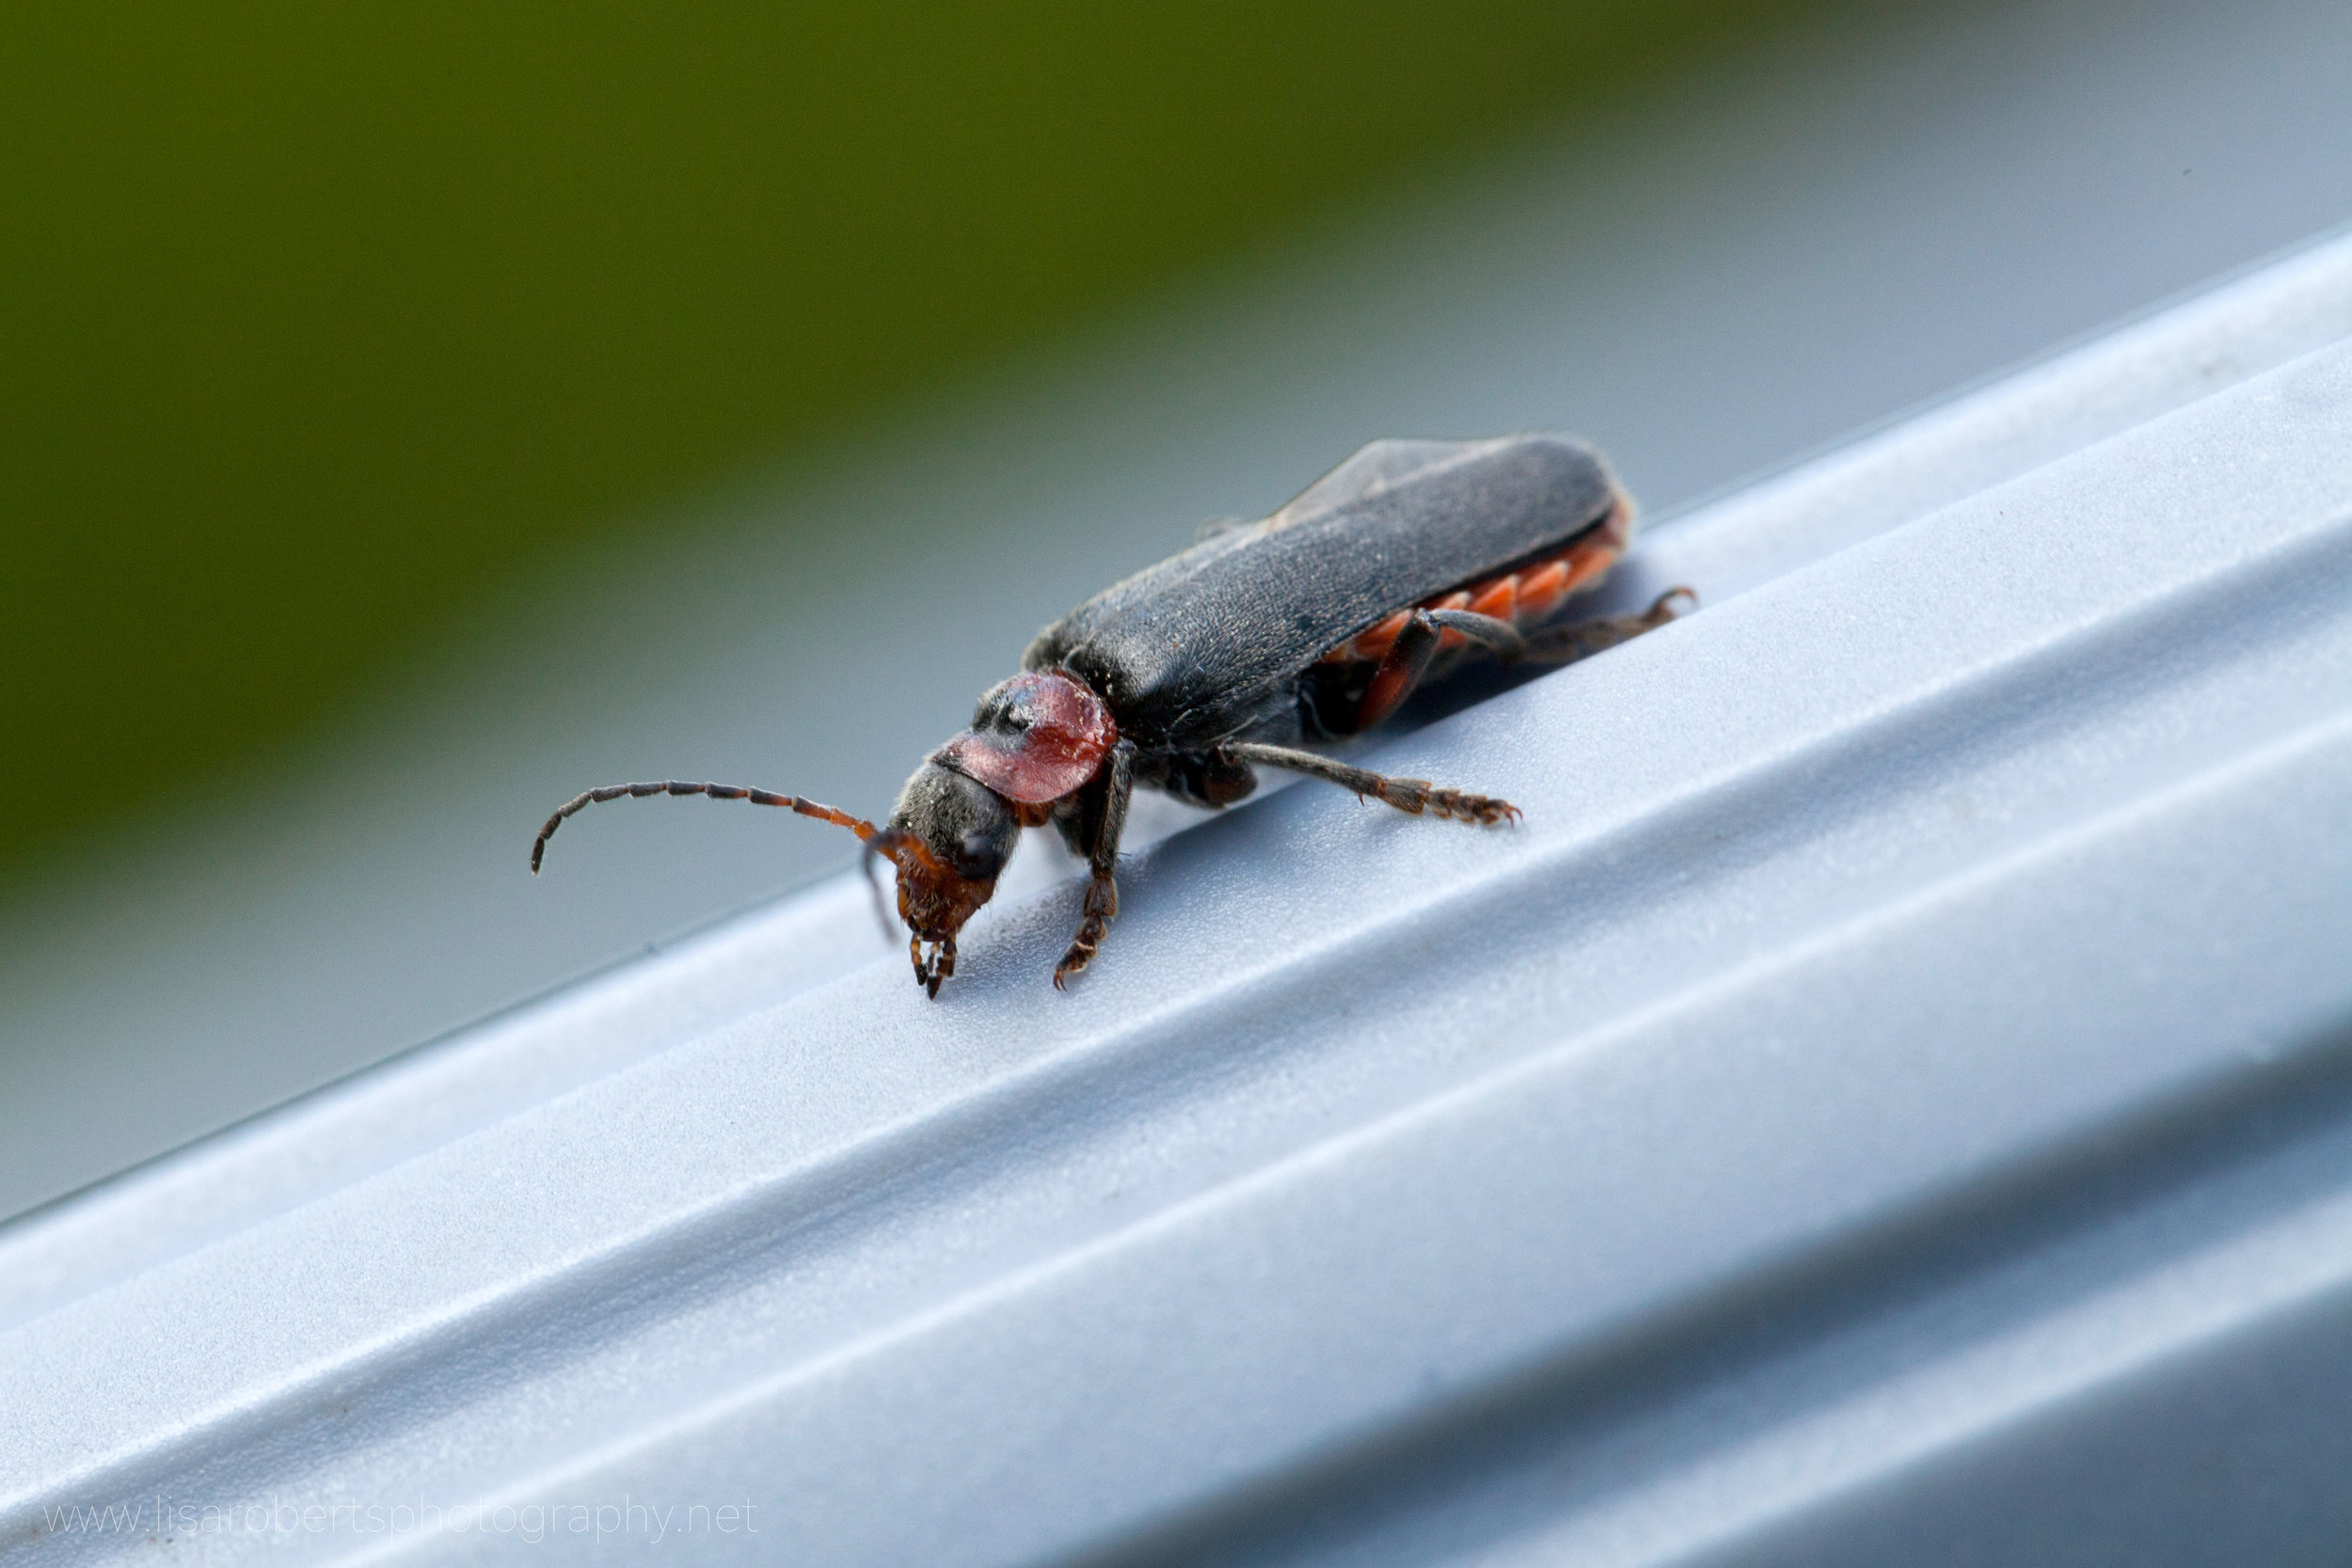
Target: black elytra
<point>1238,653</point>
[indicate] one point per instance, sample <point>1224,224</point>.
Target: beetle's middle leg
<point>1415,796</point>
<point>1102,901</point>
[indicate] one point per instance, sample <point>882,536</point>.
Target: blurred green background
<point>319,320</point>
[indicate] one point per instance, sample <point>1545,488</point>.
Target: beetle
<point>1312,624</point>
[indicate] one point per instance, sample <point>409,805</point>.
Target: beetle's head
<point>949,837</point>
<point>1035,739</point>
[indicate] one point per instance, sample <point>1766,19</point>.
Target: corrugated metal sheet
<point>1892,1099</point>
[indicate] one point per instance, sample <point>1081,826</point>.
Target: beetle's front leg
<point>1414,796</point>
<point>1102,900</point>
<point>1563,644</point>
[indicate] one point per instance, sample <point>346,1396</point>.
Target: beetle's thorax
<point>1034,738</point>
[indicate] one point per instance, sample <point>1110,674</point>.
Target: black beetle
<point>1311,625</point>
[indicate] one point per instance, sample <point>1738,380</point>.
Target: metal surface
<point>1892,1097</point>
<point>1809,233</point>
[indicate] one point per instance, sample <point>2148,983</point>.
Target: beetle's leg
<point>1408,660</point>
<point>1400,669</point>
<point>1580,639</point>
<point>1407,794</point>
<point>1501,637</point>
<point>1102,901</point>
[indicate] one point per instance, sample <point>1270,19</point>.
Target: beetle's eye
<point>980,856</point>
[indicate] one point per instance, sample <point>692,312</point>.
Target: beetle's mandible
<point>1311,625</point>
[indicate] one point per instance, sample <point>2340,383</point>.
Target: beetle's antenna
<point>857,825</point>
<point>881,846</point>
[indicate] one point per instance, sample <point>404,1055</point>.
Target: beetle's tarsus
<point>1081,954</point>
<point>1584,639</point>
<point>1102,906</point>
<point>1418,796</point>
<point>1415,797</point>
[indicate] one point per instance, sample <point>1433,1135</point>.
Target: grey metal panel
<point>1824,225</point>
<point>768,956</point>
<point>1892,1089</point>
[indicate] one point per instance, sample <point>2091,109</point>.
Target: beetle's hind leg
<point>1408,660</point>
<point>1416,796</point>
<point>1408,657</point>
<point>1564,644</point>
